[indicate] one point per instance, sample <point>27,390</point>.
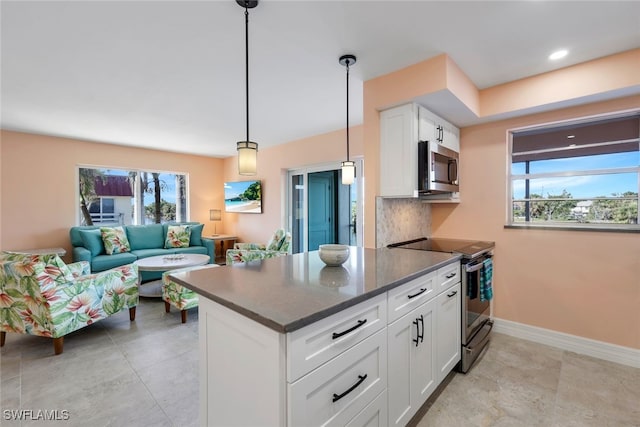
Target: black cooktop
<point>468,248</point>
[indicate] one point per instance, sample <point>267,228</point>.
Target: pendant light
<point>247,149</point>
<point>348,167</point>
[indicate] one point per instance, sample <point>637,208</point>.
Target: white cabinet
<point>411,361</point>
<point>374,415</point>
<point>436,129</point>
<point>424,344</point>
<point>371,364</point>
<point>448,346</point>
<point>319,342</point>
<point>447,276</point>
<point>337,391</point>
<point>405,298</point>
<point>399,151</point>
<point>400,130</point>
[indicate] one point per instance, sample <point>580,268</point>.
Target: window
<point>116,196</point>
<point>585,173</point>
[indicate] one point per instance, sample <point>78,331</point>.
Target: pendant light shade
<point>348,172</point>
<point>247,150</point>
<point>348,167</point>
<point>247,157</point>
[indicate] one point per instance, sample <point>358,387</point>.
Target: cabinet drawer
<point>321,341</point>
<point>405,298</point>
<point>374,415</point>
<point>448,276</point>
<point>337,391</point>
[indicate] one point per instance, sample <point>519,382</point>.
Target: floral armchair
<point>278,245</point>
<point>177,295</point>
<point>41,295</point>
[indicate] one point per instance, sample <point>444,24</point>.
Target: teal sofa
<point>145,241</point>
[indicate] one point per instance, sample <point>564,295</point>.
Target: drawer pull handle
<point>422,291</point>
<point>452,294</point>
<point>450,275</point>
<point>339,334</point>
<point>361,378</point>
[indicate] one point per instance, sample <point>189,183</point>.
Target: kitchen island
<point>290,341</point>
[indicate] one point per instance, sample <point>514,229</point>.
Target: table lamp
<point>215,215</point>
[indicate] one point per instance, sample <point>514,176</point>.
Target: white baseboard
<point>598,349</point>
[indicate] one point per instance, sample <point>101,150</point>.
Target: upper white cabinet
<point>399,151</point>
<point>437,129</point>
<point>401,128</point>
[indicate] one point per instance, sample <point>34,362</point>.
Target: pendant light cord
<point>347,64</point>
<point>246,50</point>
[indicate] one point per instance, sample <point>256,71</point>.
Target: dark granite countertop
<point>289,292</point>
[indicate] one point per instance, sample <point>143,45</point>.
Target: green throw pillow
<point>92,240</point>
<point>178,236</point>
<point>196,234</point>
<point>115,240</point>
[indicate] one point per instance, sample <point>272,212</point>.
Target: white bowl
<point>333,255</point>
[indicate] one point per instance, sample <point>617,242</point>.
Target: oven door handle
<point>475,267</point>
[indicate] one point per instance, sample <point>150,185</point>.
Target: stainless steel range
<point>476,309</point>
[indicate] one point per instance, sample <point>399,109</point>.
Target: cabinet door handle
<point>422,291</point>
<point>452,294</point>
<point>450,275</point>
<point>339,334</point>
<point>361,378</point>
<point>419,336</point>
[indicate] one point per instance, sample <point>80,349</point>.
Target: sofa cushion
<point>92,240</point>
<point>106,262</point>
<point>178,236</point>
<point>145,236</point>
<point>115,240</point>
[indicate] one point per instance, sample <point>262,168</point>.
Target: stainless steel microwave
<point>437,169</point>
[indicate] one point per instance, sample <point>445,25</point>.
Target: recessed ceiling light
<point>558,54</point>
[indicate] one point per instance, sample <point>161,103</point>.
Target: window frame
<point>137,216</point>
<point>511,177</point>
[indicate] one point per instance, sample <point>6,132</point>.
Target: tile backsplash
<point>401,219</point>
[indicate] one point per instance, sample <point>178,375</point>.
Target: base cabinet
<point>448,335</point>
<point>374,415</point>
<point>411,361</point>
<point>353,368</point>
<point>337,391</point>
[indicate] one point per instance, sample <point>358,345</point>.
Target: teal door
<point>322,208</point>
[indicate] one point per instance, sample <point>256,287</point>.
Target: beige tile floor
<point>117,373</point>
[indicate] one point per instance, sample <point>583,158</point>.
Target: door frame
<point>322,167</point>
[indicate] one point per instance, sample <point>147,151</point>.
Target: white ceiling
<point>170,74</point>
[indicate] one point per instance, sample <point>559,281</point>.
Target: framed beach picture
<point>243,197</point>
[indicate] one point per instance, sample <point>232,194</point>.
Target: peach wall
<point>38,184</point>
<point>273,163</point>
<point>462,87</point>
<point>383,92</point>
<point>581,283</point>
<point>611,73</point>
